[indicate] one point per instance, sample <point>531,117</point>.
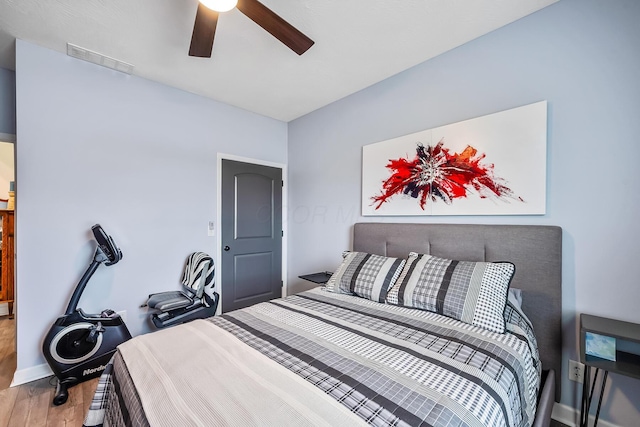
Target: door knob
<point>226,248</point>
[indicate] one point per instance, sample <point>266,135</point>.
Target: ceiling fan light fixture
<point>220,5</point>
<point>204,27</point>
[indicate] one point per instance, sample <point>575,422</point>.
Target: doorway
<point>251,233</point>
<point>8,357</point>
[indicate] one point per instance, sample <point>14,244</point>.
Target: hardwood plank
<point>7,351</point>
<point>38,408</point>
<point>34,388</point>
<point>88,390</point>
<point>73,412</point>
<point>76,418</point>
<point>69,414</point>
<point>20,413</point>
<point>7,401</point>
<point>8,362</point>
<point>75,395</point>
<point>62,415</point>
<point>30,406</point>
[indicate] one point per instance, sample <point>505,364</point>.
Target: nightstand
<point>319,278</point>
<point>618,336</point>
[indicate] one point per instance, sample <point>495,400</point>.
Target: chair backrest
<point>198,273</point>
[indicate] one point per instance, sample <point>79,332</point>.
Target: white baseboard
<point>569,416</point>
<point>27,375</point>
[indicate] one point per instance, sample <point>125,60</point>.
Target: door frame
<point>218,233</point>
<point>11,138</point>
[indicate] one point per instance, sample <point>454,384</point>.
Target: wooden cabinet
<point>6,268</point>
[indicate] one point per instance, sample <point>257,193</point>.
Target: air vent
<point>97,58</point>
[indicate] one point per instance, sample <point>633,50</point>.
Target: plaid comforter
<point>389,365</point>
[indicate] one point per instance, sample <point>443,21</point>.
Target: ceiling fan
<point>204,28</point>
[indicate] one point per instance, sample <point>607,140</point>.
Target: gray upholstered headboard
<point>535,250</point>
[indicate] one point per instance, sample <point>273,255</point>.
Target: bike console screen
<point>106,243</point>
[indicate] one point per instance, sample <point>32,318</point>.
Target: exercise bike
<point>79,345</point>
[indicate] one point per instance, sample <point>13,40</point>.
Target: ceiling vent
<point>97,58</point>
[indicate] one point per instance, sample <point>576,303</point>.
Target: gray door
<point>251,233</point>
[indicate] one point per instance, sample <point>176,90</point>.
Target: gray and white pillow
<point>472,292</point>
<point>366,275</point>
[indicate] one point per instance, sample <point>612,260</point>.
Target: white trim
<point>569,416</point>
<point>7,137</point>
<point>33,373</point>
<point>283,167</point>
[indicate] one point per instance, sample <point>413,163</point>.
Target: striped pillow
<point>366,275</point>
<point>472,292</point>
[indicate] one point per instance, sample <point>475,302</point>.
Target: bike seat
<point>167,301</point>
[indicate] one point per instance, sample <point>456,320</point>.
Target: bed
<point>337,359</point>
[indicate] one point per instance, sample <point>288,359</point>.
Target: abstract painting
<point>490,165</point>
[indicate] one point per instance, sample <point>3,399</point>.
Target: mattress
<point>324,358</point>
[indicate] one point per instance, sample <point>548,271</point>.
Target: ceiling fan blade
<point>275,25</point>
<point>204,30</point>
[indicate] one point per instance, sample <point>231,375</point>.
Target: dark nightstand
<point>319,278</point>
<point>623,333</point>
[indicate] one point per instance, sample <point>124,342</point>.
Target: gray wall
<point>581,56</point>
<point>7,101</point>
<point>98,146</point>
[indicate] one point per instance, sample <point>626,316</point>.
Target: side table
<point>320,278</point>
<point>618,333</point>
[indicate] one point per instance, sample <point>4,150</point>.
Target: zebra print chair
<point>192,302</point>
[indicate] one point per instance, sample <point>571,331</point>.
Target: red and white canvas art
<point>490,165</point>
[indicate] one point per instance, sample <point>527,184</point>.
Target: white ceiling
<point>357,43</point>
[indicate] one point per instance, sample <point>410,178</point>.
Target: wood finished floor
<point>30,404</point>
<point>7,350</point>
